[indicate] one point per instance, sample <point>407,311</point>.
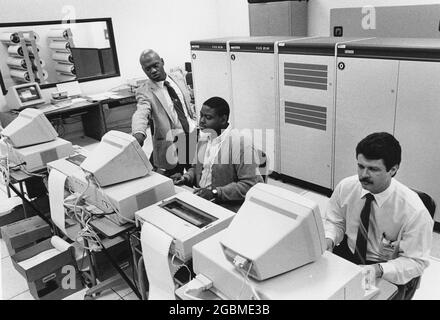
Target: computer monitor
<point>29,128</point>
<point>24,95</point>
<point>117,158</point>
<point>87,62</point>
<point>275,231</point>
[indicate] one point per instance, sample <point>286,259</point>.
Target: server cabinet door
<point>211,76</point>
<point>306,117</point>
<point>417,130</point>
<point>365,103</point>
<point>253,96</point>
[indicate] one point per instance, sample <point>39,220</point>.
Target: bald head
<point>152,64</point>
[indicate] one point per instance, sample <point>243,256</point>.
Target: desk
<point>387,290</point>
<point>18,176</point>
<point>109,229</point>
<point>92,112</point>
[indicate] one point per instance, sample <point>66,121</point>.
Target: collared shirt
<point>400,229</point>
<point>170,105</point>
<point>212,149</point>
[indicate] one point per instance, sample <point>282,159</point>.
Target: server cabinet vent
<point>312,76</point>
<point>306,115</point>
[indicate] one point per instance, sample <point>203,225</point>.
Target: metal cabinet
<point>254,78</point>
<point>365,103</point>
<point>211,70</point>
<point>416,127</point>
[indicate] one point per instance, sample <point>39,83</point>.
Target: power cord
<point>196,286</point>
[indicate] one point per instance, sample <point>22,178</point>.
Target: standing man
<point>165,99</point>
<point>374,219</point>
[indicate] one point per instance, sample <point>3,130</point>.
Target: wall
<point>319,11</point>
<point>165,25</point>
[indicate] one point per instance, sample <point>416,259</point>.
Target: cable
<point>108,200</point>
<point>4,165</point>
<point>239,263</point>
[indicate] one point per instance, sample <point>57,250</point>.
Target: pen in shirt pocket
<point>385,240</point>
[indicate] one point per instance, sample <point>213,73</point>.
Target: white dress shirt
<point>400,230</point>
<point>212,148</point>
<point>170,105</point>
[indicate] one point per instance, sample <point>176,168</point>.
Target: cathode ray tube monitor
<point>24,96</point>
<point>29,128</point>
<point>275,231</point>
<point>117,158</point>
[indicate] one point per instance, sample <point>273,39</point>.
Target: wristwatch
<point>214,192</point>
<point>380,270</point>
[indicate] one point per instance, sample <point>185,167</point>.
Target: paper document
<point>104,96</point>
<point>72,88</point>
<point>160,272</point>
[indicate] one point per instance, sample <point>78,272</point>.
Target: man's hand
<point>179,179</point>
<point>204,193</point>
<point>140,138</point>
<point>330,244</point>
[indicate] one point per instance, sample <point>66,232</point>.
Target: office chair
<point>414,284</point>
<point>263,160</point>
<point>427,201</point>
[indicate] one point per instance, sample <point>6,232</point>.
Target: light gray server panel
<point>417,117</point>
<point>211,70</point>
<point>365,103</point>
<point>254,73</point>
<point>418,21</point>
<point>306,84</point>
<point>281,18</point>
<point>393,85</point>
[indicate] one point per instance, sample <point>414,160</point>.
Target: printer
<point>187,218</point>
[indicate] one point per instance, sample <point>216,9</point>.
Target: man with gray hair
<point>164,100</point>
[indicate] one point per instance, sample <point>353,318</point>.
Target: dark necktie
<point>362,236</point>
<point>178,107</point>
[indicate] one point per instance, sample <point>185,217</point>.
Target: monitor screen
<point>87,62</point>
<point>24,95</point>
<point>28,93</point>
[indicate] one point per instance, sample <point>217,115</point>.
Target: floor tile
<point>108,295</point>
<point>122,288</point>
<point>79,295</point>
<point>13,283</point>
<point>24,296</point>
<point>130,296</point>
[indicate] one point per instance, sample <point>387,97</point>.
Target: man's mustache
<point>365,180</point>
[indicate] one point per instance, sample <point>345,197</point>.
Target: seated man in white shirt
<point>227,163</point>
<point>397,224</point>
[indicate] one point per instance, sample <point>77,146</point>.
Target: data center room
<point>219,150</point>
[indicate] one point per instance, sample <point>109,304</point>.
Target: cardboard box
<point>25,233</point>
<point>11,210</point>
<point>47,280</point>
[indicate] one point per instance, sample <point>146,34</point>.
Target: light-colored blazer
<point>235,171</point>
<point>150,104</point>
